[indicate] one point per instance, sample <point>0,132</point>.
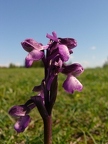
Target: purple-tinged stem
<point>48,130</point>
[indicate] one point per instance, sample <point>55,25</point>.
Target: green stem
<point>48,130</point>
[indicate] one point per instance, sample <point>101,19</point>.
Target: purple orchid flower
<point>23,119</point>
<point>71,83</point>
<point>35,49</point>
<point>58,51</point>
<point>64,45</point>
<point>20,112</point>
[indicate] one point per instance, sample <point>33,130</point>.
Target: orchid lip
<point>71,84</point>
<point>22,123</point>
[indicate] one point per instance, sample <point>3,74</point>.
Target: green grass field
<point>81,118</point>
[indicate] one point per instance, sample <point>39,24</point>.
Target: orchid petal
<point>54,37</point>
<point>28,62</point>
<point>64,52</point>
<point>71,84</point>
<point>75,69</point>
<point>69,42</point>
<point>30,44</point>
<point>34,55</point>
<point>22,123</point>
<point>18,110</point>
